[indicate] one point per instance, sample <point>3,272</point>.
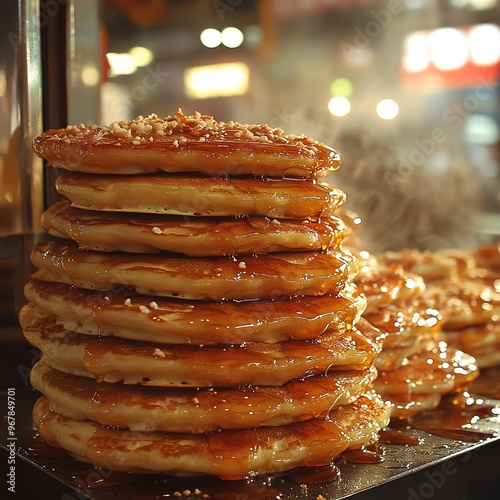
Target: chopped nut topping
<point>242,265</point>
<point>144,309</point>
<point>185,128</point>
<point>128,302</point>
<point>156,230</point>
<point>159,353</point>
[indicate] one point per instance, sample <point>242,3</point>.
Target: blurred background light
<point>3,82</point>
<point>482,129</point>
<point>339,106</point>
<point>484,43</point>
<point>121,64</point>
<point>211,38</point>
<point>90,75</point>
<point>253,34</point>
<point>416,52</point>
<point>341,87</point>
<point>232,37</point>
<point>387,109</point>
<point>448,48</point>
<point>216,80</point>
<point>142,56</point>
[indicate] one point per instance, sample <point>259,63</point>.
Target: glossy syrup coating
<point>183,143</point>
<point>216,278</point>
<point>117,360</point>
<point>145,408</point>
<point>200,196</point>
<point>229,454</point>
<point>124,314</point>
<point>192,236</point>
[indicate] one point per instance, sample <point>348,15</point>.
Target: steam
<point>407,193</point>
<point>427,206</point>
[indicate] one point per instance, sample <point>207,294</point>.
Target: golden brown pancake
<point>183,143</point>
<point>441,369</point>
<point>487,334</point>
<point>384,286</point>
<point>404,332</point>
<point>393,358</point>
<point>406,406</point>
<point>155,319</point>
<point>192,236</point>
<point>488,256</point>
<point>229,454</point>
<point>462,303</point>
<point>117,360</point>
<point>200,196</point>
<point>140,408</point>
<point>486,356</point>
<point>215,278</point>
<point>481,341</point>
<point>430,265</point>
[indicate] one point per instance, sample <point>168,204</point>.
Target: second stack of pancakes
<point>417,366</point>
<point>195,310</point>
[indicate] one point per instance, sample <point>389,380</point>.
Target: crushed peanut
<point>180,128</point>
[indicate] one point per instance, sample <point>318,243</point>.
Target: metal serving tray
<point>438,468</point>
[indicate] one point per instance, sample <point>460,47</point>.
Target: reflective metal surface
<point>426,470</point>
<point>21,174</point>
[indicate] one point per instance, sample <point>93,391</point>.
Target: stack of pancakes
<point>416,366</point>
<point>463,286</point>
<point>194,308</point>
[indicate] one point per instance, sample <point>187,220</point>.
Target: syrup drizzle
<point>453,418</point>
<point>315,475</point>
<point>373,454</point>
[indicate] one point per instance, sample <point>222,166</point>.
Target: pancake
<point>462,303</point>
<point>393,358</point>
<point>406,406</point>
<point>403,325</point>
<point>484,335</point>
<point>486,356</point>
<point>430,265</point>
<point>195,237</point>
<point>155,319</point>
<point>140,408</point>
<point>200,196</point>
<point>441,370</point>
<point>384,286</point>
<point>215,278</point>
<point>183,143</point>
<point>229,454</point>
<point>405,332</point>
<point>117,360</point>
<point>488,256</point>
